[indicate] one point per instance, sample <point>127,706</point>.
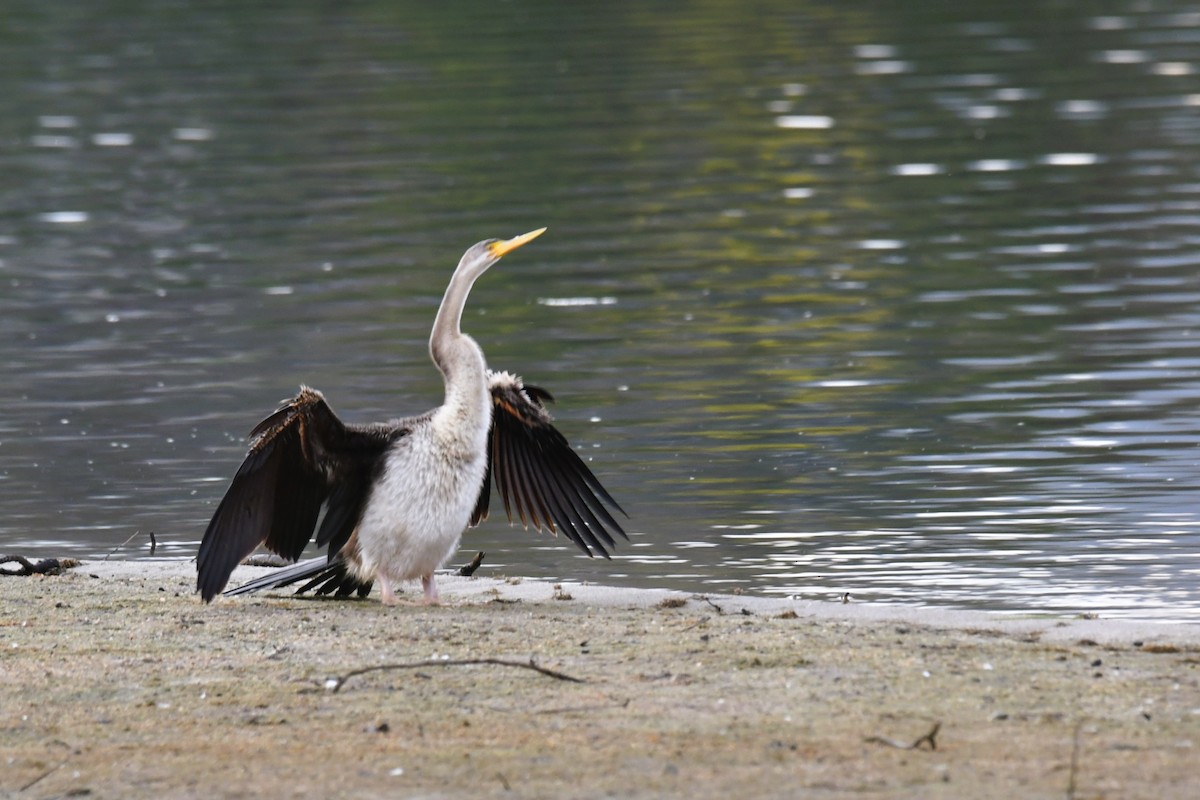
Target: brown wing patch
<point>300,456</point>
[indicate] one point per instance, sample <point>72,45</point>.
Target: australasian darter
<point>398,495</point>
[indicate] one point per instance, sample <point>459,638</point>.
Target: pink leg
<point>389,597</point>
<point>430,587</point>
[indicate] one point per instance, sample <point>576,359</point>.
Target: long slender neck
<point>446,326</point>
<point>460,359</point>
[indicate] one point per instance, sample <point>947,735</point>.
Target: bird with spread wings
<point>397,496</point>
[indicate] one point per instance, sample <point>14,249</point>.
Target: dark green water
<point>888,298</point>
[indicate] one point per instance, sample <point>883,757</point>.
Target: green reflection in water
<point>758,316</point>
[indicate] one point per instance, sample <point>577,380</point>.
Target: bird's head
<point>482,255</point>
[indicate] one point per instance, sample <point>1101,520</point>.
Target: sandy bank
<point>118,682</point>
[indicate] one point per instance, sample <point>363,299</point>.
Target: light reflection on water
<point>911,316</point>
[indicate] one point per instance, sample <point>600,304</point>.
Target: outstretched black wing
<point>539,475</point>
<point>300,458</point>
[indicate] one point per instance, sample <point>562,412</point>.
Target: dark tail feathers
<point>323,577</point>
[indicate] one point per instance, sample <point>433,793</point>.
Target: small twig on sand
<point>706,599</point>
<point>47,566</point>
<point>47,773</point>
<point>467,570</point>
<point>335,684</point>
<point>930,738</point>
<point>580,709</point>
<point>122,544</point>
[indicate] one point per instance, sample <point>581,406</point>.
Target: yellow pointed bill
<point>508,245</point>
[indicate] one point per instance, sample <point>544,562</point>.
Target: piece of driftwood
<point>47,566</point>
<point>467,570</point>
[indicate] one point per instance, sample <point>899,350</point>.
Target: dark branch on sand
<point>47,566</point>
<point>335,684</point>
<point>467,570</point>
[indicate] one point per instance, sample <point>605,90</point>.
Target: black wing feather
<point>572,464</point>
<point>527,495</point>
<point>582,511</point>
<point>326,577</point>
<point>481,505</point>
<point>539,475</point>
<point>299,456</point>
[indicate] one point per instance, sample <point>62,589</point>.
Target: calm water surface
<point>901,300</point>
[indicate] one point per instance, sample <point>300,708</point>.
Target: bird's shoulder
<point>511,395</point>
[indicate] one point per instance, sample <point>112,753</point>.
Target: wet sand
<point>118,682</point>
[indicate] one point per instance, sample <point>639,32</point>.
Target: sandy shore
<point>118,683</point>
